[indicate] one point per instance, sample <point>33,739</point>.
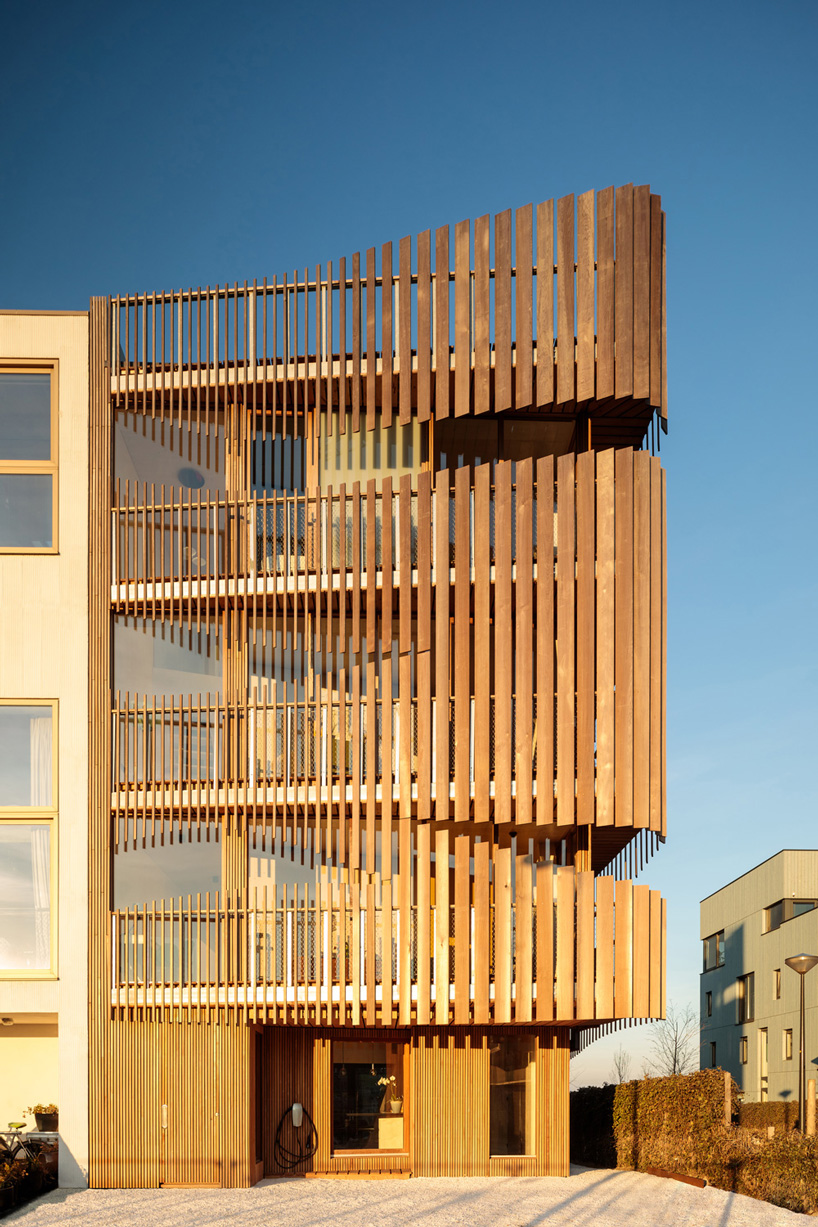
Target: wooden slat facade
<point>441,690</point>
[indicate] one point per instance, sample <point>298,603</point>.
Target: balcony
<point>336,954</point>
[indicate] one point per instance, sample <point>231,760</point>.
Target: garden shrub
<point>23,1178</point>
<point>783,1114</point>
<point>677,1124</point>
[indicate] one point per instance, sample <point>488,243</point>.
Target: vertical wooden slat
<point>502,311</point>
<point>424,861</point>
<point>545,645</point>
<point>524,350</point>
<point>585,297</point>
<point>442,360</point>
<point>605,533</point>
<point>424,345</point>
<point>566,906</point>
<point>503,655</point>
<point>386,336</point>
<point>462,326</point>
<point>604,946</point>
<point>371,360</point>
<point>482,315</point>
<point>641,951</point>
<point>545,304</point>
<point>641,292</point>
<point>623,680</point>
<point>523,960</point>
<point>482,641</point>
<point>462,645</point>
<point>585,637</point>
<point>565,640</point>
<point>424,648</point>
<point>462,929</point>
<point>442,629</point>
<point>655,956</point>
<point>442,922</point>
<point>356,342</point>
<point>405,329</point>
<point>605,294</point>
<point>656,619</point>
<point>566,389</point>
<point>523,627</point>
<point>623,950</point>
<point>502,933</point>
<point>585,945</point>
<point>482,865</point>
<point>623,299</point>
<point>641,639</point>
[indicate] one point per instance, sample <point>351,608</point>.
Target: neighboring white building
<point>44,724</point>
<point>749,997</point>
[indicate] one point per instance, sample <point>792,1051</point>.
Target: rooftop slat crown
<point>526,318</point>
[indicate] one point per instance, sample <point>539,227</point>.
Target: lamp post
<point>802,963</point>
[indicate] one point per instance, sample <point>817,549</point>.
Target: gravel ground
<point>587,1196</point>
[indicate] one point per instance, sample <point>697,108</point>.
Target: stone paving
<point>586,1198</point>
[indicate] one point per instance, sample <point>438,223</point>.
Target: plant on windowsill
<point>46,1116</point>
<point>395,1100</point>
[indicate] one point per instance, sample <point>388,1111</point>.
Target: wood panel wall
<point>447,1103</point>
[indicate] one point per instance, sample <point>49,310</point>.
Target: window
<point>746,998</point>
<point>777,984</point>
<point>368,1083</point>
<point>28,840</point>
<point>714,951</point>
<point>511,1098</point>
<point>712,1054</point>
<point>708,1004</point>
<point>786,909</point>
<point>742,1050</point>
<point>788,1044</point>
<point>28,458</point>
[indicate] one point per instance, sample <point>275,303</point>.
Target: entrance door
<point>190,1112</point>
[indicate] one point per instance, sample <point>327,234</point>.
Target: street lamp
<point>802,963</point>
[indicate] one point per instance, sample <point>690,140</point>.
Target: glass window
<point>746,998</point>
<point>773,916</point>
<point>25,896</point>
<point>169,865</point>
<point>742,1049</point>
<point>26,756</point>
<point>777,984</point>
<point>714,951</point>
<point>28,836</point>
<point>512,1102</point>
<point>788,1044</point>
<point>368,1082</point>
<point>712,1054</point>
<point>709,1004</point>
<point>801,906</point>
<point>28,459</point>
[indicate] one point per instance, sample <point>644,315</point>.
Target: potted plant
<point>395,1100</point>
<point>46,1116</point>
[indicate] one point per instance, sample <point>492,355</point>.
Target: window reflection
<point>26,511</point>
<point>511,1104</point>
<point>25,416</point>
<point>25,896</point>
<point>26,755</point>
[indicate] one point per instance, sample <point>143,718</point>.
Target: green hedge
<point>23,1178</point>
<point>592,1138</point>
<point>677,1124</point>
<point>783,1114</point>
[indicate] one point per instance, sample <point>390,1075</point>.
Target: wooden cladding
<point>537,689</point>
<point>576,296</point>
<point>549,945</point>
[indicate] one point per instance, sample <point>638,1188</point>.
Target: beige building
<point>749,997</point>
<point>44,725</point>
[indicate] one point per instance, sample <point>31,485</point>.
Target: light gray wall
<point>738,909</point>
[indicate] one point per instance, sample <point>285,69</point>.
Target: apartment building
<point>373,585</point>
<point>750,998</point>
<point>44,442</point>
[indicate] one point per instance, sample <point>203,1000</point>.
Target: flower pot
<point>396,1106</point>
<point>47,1121</point>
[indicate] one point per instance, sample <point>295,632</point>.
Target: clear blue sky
<point>158,146</point>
